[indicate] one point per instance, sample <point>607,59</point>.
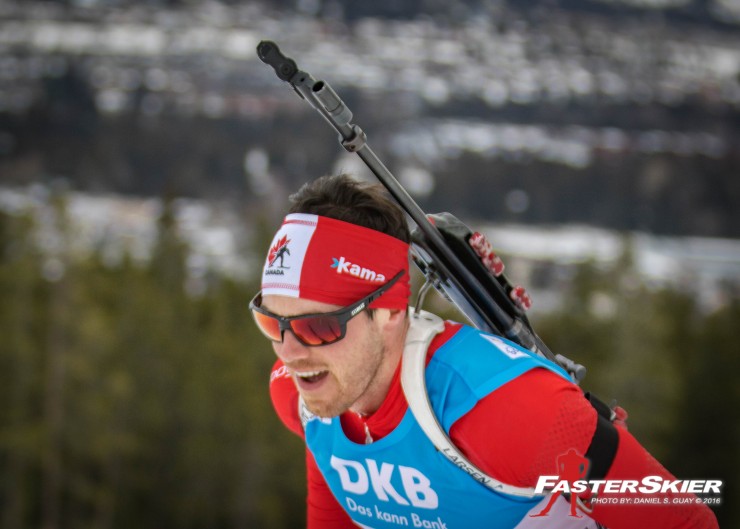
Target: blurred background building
<point>617,114</point>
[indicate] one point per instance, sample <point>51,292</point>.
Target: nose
<point>291,350</point>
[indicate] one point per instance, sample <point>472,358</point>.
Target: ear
<point>397,315</point>
<point>392,320</point>
<point>393,325</point>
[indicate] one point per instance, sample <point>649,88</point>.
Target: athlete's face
<point>336,377</point>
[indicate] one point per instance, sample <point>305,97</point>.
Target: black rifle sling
<point>605,441</point>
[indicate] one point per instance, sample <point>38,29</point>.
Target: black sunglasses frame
<point>343,315</point>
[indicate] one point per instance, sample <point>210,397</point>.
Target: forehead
<point>287,306</point>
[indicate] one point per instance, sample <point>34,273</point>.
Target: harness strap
<point>424,327</point>
<point>605,441</point>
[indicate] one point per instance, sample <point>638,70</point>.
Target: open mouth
<point>310,379</point>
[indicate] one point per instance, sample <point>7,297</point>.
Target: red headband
<point>335,262</point>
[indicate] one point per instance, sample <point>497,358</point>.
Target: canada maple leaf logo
<point>278,251</point>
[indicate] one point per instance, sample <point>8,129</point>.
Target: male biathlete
<point>335,309</point>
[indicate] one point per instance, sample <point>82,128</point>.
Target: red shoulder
<point>284,397</point>
<point>530,420</point>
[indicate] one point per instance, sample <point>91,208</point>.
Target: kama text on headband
<point>335,262</point>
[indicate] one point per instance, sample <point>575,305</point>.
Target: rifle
<point>458,263</point>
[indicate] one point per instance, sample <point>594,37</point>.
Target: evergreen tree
<point>130,401</point>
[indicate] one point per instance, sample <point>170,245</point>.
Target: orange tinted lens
<point>269,326</point>
<point>318,330</point>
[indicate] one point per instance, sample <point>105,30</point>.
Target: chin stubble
<point>344,401</point>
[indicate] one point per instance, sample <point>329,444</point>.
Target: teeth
<point>307,374</point>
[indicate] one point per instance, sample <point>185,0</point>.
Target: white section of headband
<point>281,274</point>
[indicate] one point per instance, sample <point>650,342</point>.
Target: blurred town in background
<point>616,115</point>
<point>146,155</point>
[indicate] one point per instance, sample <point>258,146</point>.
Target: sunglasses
<point>321,328</point>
